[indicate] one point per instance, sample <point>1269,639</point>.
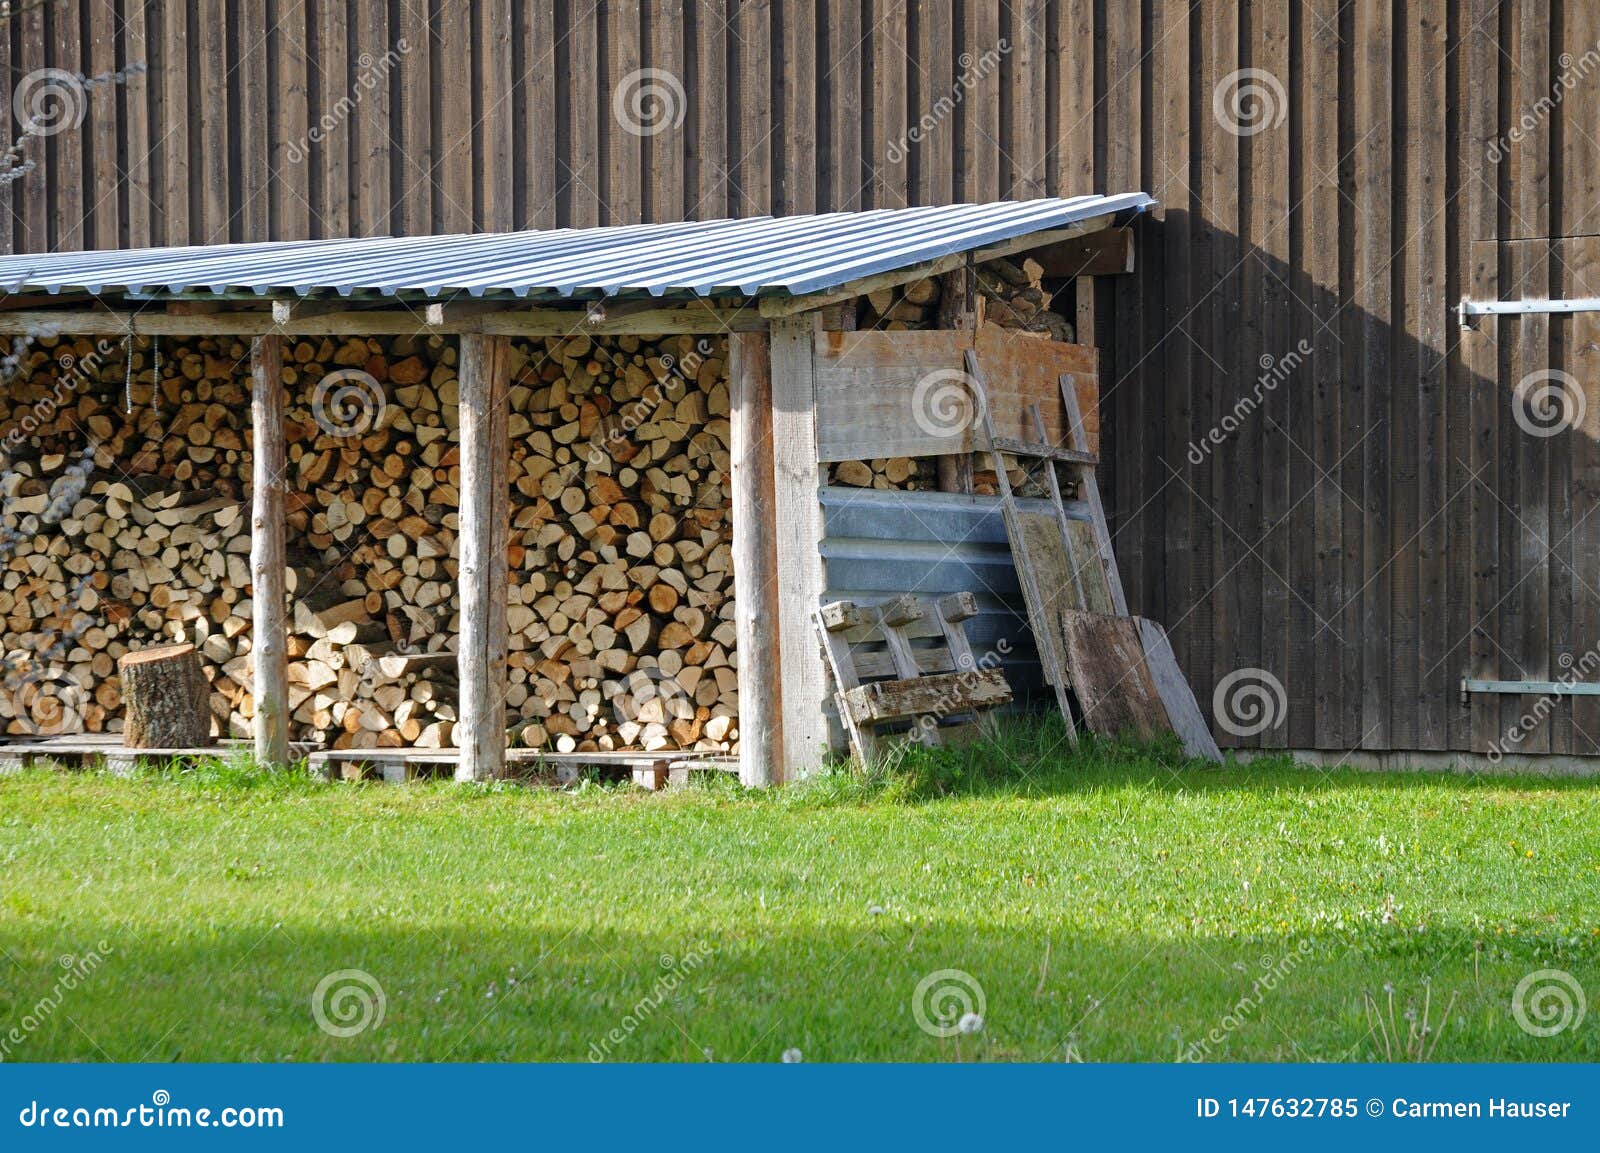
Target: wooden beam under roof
<point>443,319</point>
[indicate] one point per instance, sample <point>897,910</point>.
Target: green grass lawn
<point>1110,906</point>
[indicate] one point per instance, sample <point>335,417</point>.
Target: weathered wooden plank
<point>216,134</point>
<point>485,372</point>
<point>413,132</point>
<point>375,59</point>
<point>1429,235</point>
<point>495,175</point>
<point>1177,698</point>
<point>331,153</point>
<point>708,124</point>
<point>799,529</point>
<point>1278,372</point>
<point>104,217</point>
<point>906,393</point>
<point>1526,638</point>
<point>289,191</point>
<point>667,163</point>
<point>940,694</point>
<point>755,559</point>
<point>1106,663</point>
<point>753,177</point>
<point>1374,65</point>
<point>1321,260</point>
<point>268,594</point>
<point>938,87</point>
<point>1026,69</point>
<point>586,104</point>
<point>978,157</point>
<point>61,144</point>
<point>796,176</point>
<point>172,146</point>
<point>639,106</point>
<point>454,59</point>
<point>840,146</point>
<point>886,148</point>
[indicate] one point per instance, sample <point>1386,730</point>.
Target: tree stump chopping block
<point>165,695</point>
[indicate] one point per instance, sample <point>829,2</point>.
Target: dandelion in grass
<point>969,1024</point>
<point>792,1057</point>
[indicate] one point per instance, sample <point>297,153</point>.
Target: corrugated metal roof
<point>794,254</point>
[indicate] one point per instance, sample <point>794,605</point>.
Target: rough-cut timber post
<point>268,652</point>
<point>799,538</point>
<point>165,699</point>
<point>755,559</point>
<point>485,373</point>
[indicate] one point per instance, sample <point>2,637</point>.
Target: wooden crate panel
<point>887,394</point>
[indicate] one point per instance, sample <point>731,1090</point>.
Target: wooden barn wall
<point>1366,532</point>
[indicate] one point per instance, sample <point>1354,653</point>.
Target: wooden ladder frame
<point>1081,462</point>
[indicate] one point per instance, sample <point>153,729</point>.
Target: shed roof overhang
<point>697,276</point>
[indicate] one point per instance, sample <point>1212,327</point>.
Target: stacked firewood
<point>621,599</point>
<point>897,472</point>
<point>1012,295</point>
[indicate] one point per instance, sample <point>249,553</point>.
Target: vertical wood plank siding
<point>1372,521</point>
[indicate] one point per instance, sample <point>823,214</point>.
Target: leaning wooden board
<point>1107,670</point>
<point>1183,711</point>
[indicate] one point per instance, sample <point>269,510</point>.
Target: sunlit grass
<point>1110,904</point>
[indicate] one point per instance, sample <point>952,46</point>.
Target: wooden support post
<point>798,527</point>
<point>268,649</point>
<point>755,559</point>
<point>485,373</point>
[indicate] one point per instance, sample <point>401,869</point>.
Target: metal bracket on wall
<point>1531,688</point>
<point>1467,309</point>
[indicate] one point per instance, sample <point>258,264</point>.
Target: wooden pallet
<point>650,770</point>
<point>906,666</point>
<point>106,750</point>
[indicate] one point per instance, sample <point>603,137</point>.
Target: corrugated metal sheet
<point>793,254</point>
<point>879,544</point>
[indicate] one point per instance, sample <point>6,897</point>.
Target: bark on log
<point>165,695</point>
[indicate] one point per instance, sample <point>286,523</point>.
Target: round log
<point>166,699</point>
